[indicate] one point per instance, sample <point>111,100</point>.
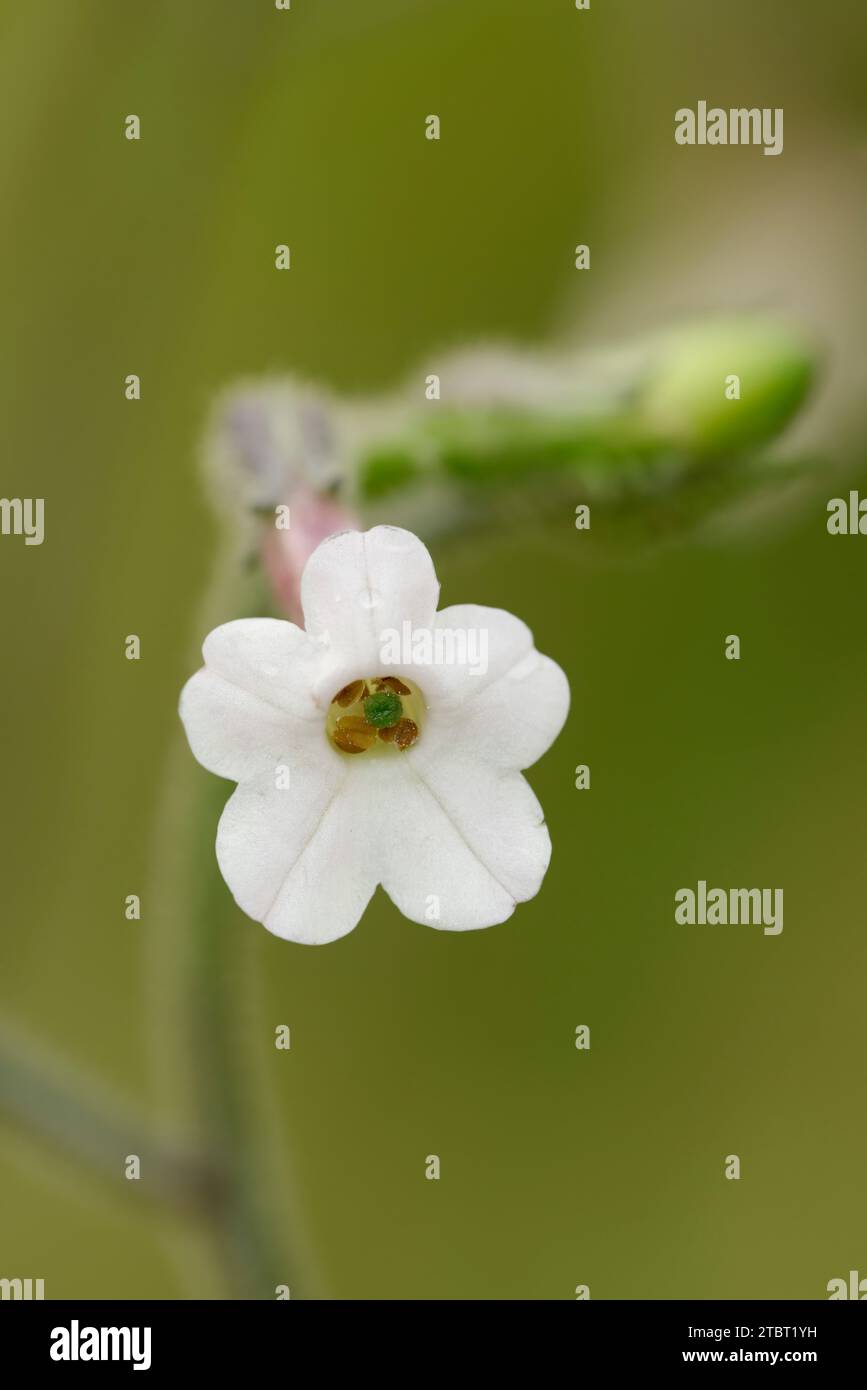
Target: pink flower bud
<point>286,550</point>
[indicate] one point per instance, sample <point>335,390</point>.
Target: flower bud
<point>722,386</point>
<point>312,518</point>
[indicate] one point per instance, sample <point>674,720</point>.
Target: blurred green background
<point>559,1167</point>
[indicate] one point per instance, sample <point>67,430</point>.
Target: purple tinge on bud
<point>261,461</point>
<point>270,438</point>
<point>285,551</point>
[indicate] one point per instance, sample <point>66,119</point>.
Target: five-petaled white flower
<point>354,770</point>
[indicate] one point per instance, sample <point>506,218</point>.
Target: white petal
<point>464,843</point>
<point>298,860</point>
<point>508,714</point>
<point>510,723</point>
<point>251,705</point>
<point>269,658</point>
<point>501,639</point>
<point>356,588</point>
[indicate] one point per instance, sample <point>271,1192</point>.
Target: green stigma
<point>383,709</point>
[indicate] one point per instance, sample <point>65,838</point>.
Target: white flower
<point>427,800</point>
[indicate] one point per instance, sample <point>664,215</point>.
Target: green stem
<point>202,961</point>
<point>77,1116</point>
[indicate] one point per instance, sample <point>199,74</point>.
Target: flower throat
<point>378,715</point>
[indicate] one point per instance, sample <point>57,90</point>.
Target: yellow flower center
<point>380,714</point>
